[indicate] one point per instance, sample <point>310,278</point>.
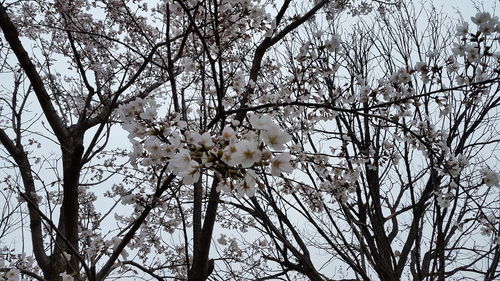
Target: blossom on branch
<point>247,153</point>
<point>490,177</point>
<point>281,164</point>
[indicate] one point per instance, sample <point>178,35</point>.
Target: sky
<point>465,8</point>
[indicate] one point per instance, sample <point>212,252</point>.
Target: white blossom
<point>463,29</point>
<point>13,274</point>
<point>263,122</point>
<point>203,140</point>
<point>228,155</point>
<point>490,177</point>
<point>191,173</point>
<point>66,277</point>
<point>180,161</point>
<point>247,153</point>
<point>248,186</point>
<point>228,133</point>
<point>281,164</point>
<point>276,138</point>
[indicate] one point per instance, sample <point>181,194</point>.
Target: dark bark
<point>68,221</point>
<point>199,270</point>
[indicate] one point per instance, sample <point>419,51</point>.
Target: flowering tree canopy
<point>248,140</point>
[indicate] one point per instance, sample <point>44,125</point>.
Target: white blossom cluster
<point>11,265</point>
<point>490,177</point>
<point>488,225</point>
<point>341,183</point>
<point>13,274</point>
<point>233,156</point>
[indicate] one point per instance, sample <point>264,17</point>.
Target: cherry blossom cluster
<point>13,274</point>
<point>235,155</point>
<point>452,166</point>
<point>490,177</point>
<point>488,225</point>
<point>444,199</point>
<point>475,47</point>
<point>341,183</point>
<point>12,264</point>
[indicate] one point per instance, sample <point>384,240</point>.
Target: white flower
<point>443,202</point>
<point>128,199</point>
<point>281,163</point>
<point>481,18</point>
<point>66,277</point>
<point>247,153</point>
<point>203,140</point>
<point>134,129</point>
<point>239,82</point>
<point>250,179</point>
<point>421,66</point>
<point>180,161</point>
<point>189,65</point>
<point>191,174</point>
<point>147,162</point>
<point>333,44</point>
<point>149,114</point>
<point>155,148</point>
<point>137,105</point>
<point>227,155</point>
<point>486,23</point>
<point>182,124</point>
<point>262,122</point>
<point>276,138</point>
<point>223,186</point>
<point>462,160</point>
<point>13,274</point>
<point>66,256</point>
<point>248,187</point>
<point>222,239</point>
<point>463,29</point>
<point>490,178</point>
<point>124,255</point>
<point>228,133</point>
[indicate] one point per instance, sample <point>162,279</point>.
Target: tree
<point>395,180</point>
<point>260,137</point>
